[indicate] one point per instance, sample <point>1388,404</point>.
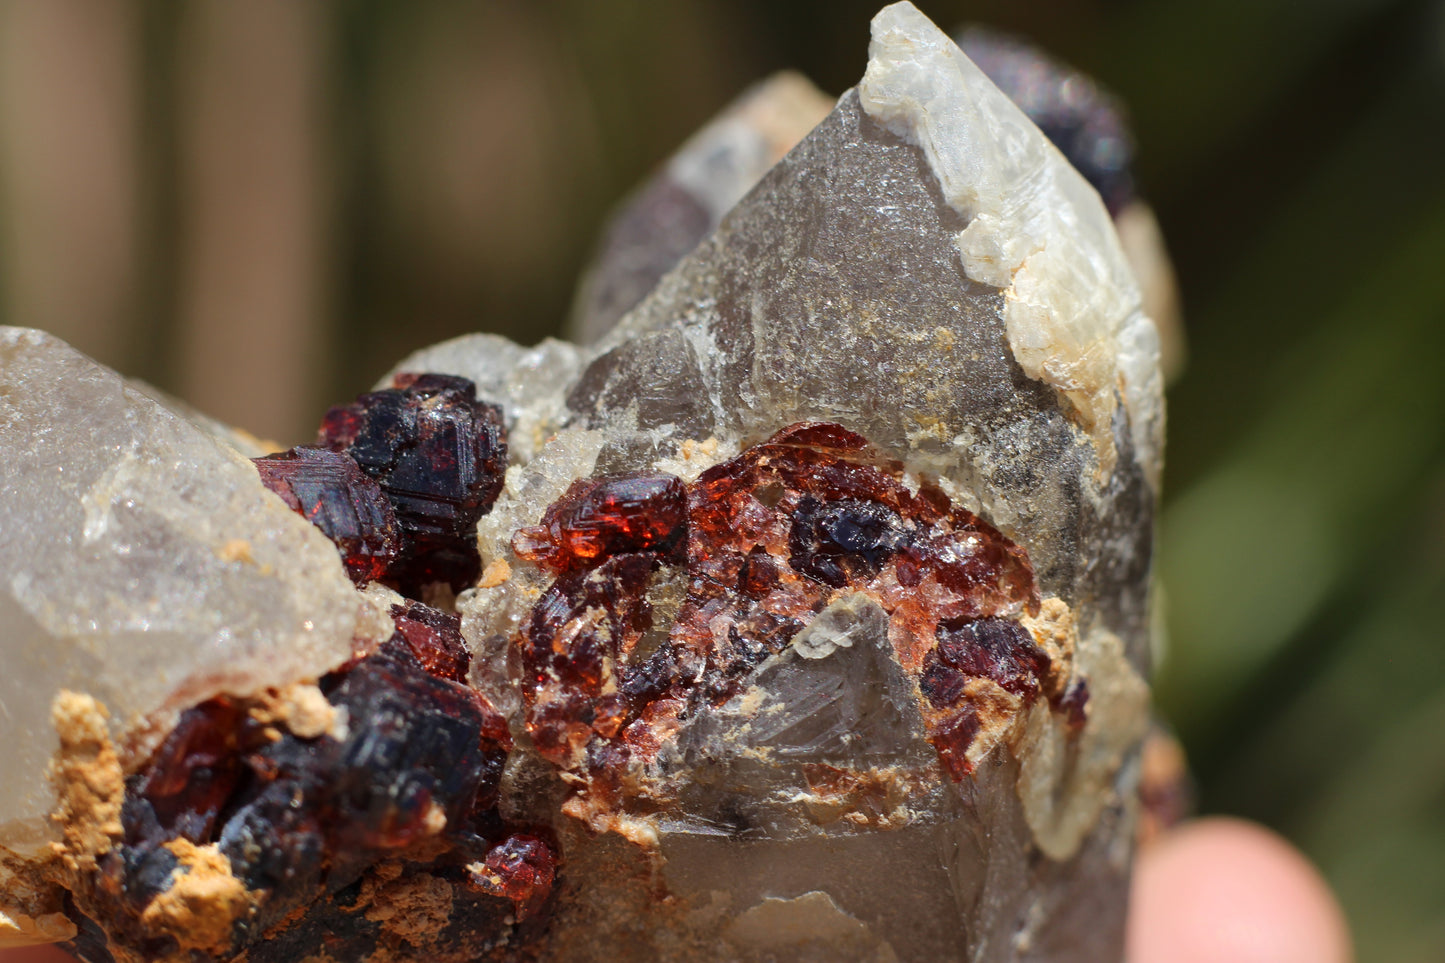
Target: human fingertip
<point>1219,890</point>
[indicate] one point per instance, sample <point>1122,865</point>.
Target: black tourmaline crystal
<point>439,454</point>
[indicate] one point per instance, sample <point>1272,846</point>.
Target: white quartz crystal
<point>143,563</point>
<point>1036,229</point>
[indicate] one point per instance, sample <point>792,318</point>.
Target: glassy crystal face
<point>331,492</point>
<point>1084,121</point>
<point>599,518</point>
<point>438,454</point>
<point>682,204</point>
<point>803,618</point>
<point>144,563</point>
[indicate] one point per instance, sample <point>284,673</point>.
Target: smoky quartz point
<point>802,616</point>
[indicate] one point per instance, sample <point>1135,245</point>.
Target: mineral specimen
<point>803,617</point>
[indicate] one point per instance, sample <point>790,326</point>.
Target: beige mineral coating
<point>20,929</point>
<point>1065,784</point>
<point>144,564</point>
<point>31,909</point>
<point>1036,230</point>
<point>202,904</point>
<point>88,780</point>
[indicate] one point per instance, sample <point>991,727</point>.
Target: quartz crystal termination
<point>1088,124</point>
<point>811,620</point>
<point>683,202</point>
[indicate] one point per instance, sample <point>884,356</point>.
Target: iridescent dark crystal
<point>439,454</point>
<point>838,541</point>
<point>334,495</point>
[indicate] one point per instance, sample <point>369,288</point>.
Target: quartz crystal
<point>804,616</point>
<point>144,562</point>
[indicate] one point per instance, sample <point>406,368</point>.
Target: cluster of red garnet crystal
<point>763,542</point>
<point>405,782</point>
<point>398,479</point>
<point>414,759</point>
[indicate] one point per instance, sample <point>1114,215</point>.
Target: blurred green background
<point>259,206</point>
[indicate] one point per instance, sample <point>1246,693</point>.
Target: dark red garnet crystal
<point>399,479</point>
<point>331,491</point>
<point>600,517</point>
<point>439,454</point>
<point>414,759</point>
<point>762,542</point>
<point>435,638</point>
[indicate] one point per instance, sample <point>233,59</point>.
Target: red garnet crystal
<point>601,517</point>
<point>765,541</point>
<point>306,818</point>
<point>435,638</point>
<point>334,495</point>
<point>439,454</point>
<point>520,868</point>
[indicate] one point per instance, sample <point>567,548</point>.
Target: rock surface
<point>812,619</point>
